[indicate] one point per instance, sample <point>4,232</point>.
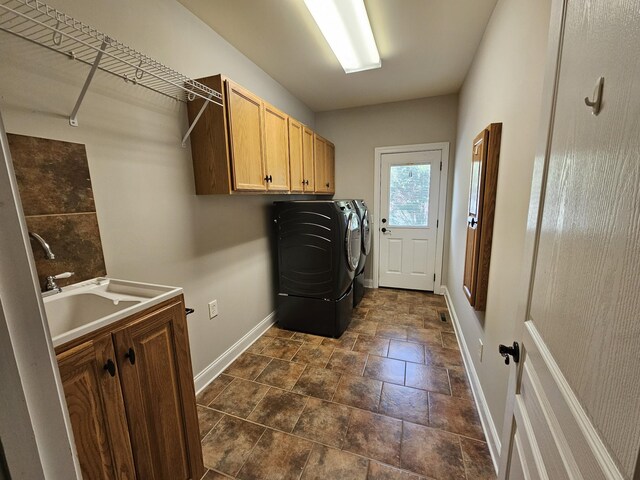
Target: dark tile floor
<point>389,400</point>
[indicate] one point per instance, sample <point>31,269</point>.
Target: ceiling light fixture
<point>345,25</point>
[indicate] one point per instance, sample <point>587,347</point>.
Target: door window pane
<point>409,195</point>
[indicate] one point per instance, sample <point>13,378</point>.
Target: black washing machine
<point>358,282</point>
<point>319,249</point>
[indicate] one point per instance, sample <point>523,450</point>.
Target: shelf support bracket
<point>195,120</point>
<point>73,119</point>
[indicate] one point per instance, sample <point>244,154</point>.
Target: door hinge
<point>434,277</point>
<point>440,166</point>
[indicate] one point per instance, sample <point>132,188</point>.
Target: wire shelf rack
<point>42,24</point>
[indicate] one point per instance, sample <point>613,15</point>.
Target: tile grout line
<point>250,453</point>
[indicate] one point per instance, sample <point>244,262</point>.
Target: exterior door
<point>409,193</point>
<point>573,408</point>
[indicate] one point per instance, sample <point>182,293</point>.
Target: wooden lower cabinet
<point>96,409</point>
<point>141,422</point>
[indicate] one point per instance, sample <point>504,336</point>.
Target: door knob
<point>131,355</point>
<point>110,367</point>
<point>514,351</point>
<point>385,230</point>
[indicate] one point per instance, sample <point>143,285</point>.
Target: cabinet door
<point>157,382</point>
<point>295,156</point>
<point>474,217</point>
<point>329,167</point>
<point>92,389</point>
<point>319,146</point>
<point>276,148</point>
<point>246,138</point>
<point>307,160</point>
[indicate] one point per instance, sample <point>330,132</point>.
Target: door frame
<point>374,216</point>
<point>35,430</point>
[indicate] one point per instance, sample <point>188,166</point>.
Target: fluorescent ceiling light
<point>345,25</point>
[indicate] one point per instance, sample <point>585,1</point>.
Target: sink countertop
<point>87,306</point>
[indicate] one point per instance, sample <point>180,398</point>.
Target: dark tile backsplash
<point>57,199</point>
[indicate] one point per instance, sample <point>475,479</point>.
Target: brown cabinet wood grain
<point>319,157</point>
<point>276,148</point>
<point>142,422</point>
<point>324,159</point>
<point>308,162</point>
<point>246,137</point>
<point>296,161</point>
<point>329,166</point>
<point>244,146</point>
<point>482,201</point>
<point>96,410</point>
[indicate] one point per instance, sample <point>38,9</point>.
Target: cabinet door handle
<point>110,367</point>
<point>131,355</point>
<point>327,184</point>
<point>268,179</point>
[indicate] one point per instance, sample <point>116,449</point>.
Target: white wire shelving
<point>43,25</point>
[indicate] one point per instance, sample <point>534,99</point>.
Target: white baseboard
<point>488,425</point>
<point>208,375</point>
<point>368,283</point>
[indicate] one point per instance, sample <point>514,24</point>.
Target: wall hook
<point>139,71</point>
<point>596,103</point>
<point>57,35</point>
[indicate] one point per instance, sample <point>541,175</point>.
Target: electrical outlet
<point>213,309</point>
<point>480,349</point>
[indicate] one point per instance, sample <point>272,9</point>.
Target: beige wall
<point>153,227</point>
<point>504,85</point>
<point>356,132</point>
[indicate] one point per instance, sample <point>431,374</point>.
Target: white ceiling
<point>426,47</point>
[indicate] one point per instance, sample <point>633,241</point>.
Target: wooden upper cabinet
<point>319,146</point>
<point>92,389</point>
<point>330,167</point>
<point>157,383</point>
<point>308,163</point>
<point>296,166</point>
<point>276,148</point>
<point>482,202</point>
<point>246,138</point>
<point>324,158</point>
<point>247,145</point>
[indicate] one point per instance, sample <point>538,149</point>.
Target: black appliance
<point>319,246</point>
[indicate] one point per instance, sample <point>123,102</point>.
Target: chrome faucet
<point>45,246</point>
<point>51,283</point>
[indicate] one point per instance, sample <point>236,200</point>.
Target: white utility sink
<point>86,306</point>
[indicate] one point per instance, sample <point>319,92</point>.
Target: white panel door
<point>409,193</point>
<point>573,406</point>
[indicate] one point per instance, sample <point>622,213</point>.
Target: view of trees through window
<point>409,195</point>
